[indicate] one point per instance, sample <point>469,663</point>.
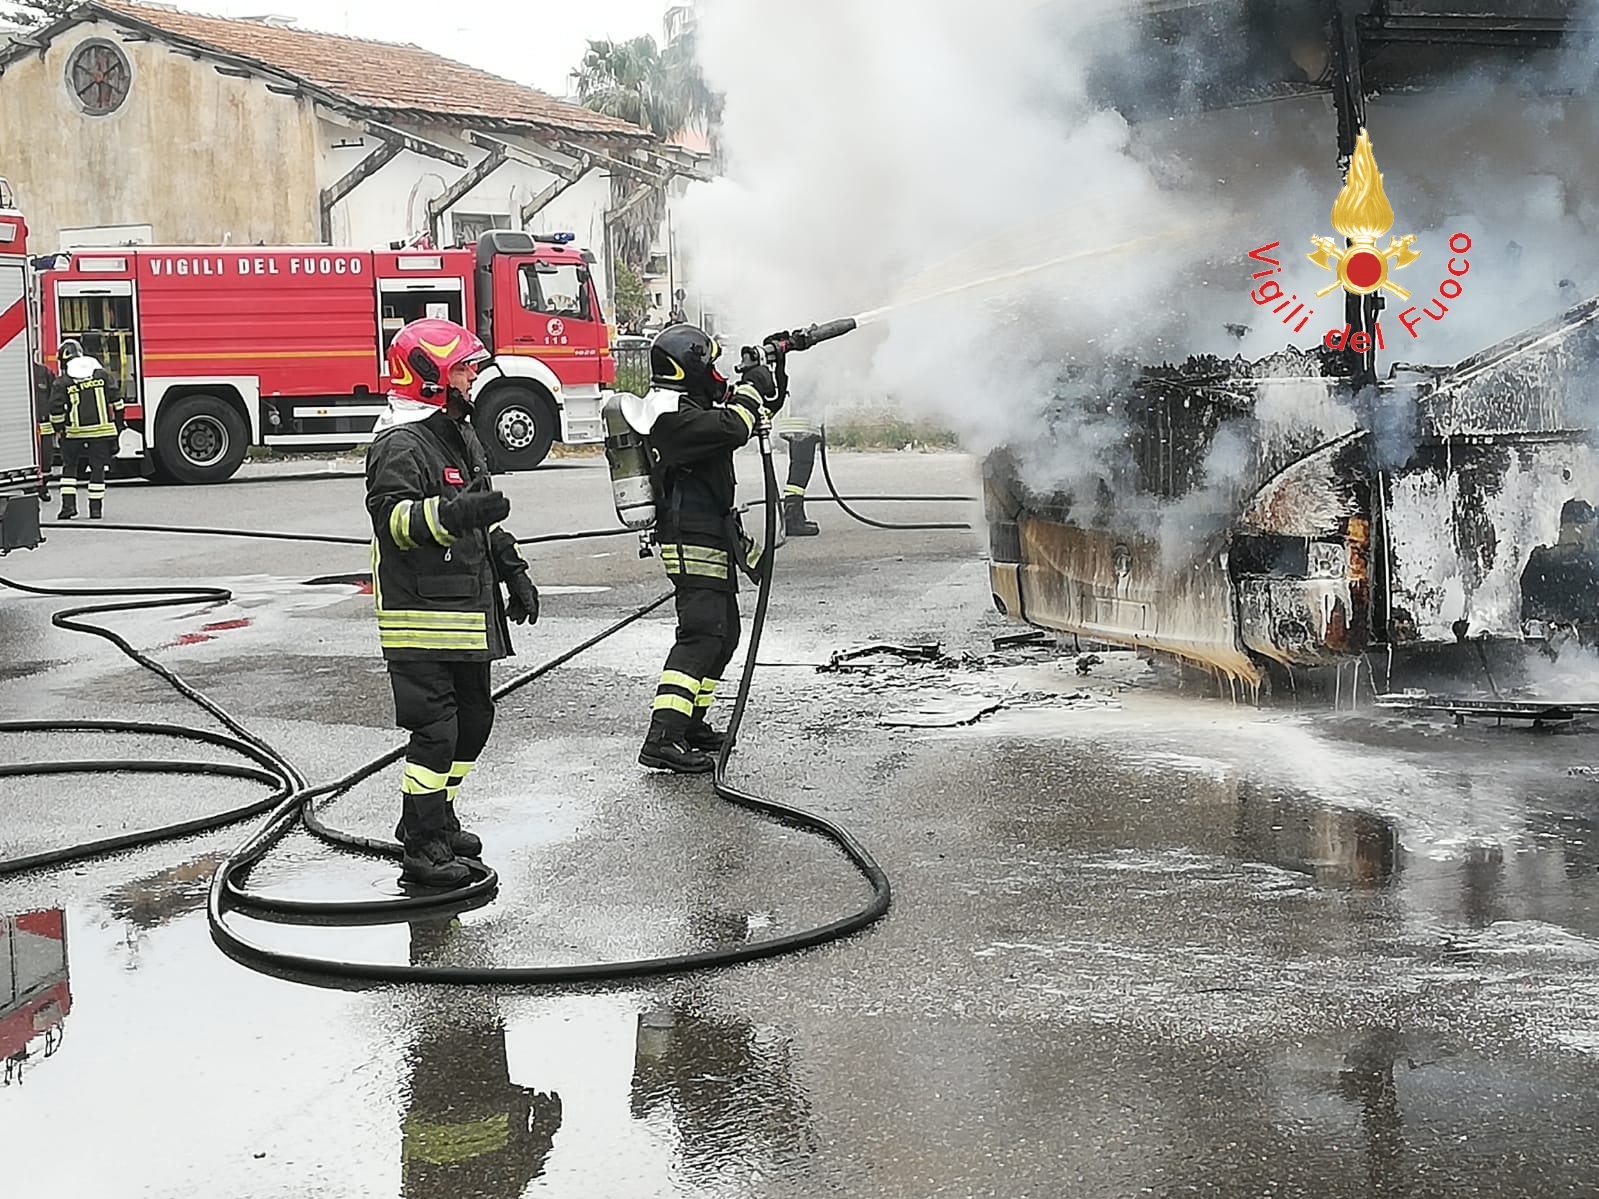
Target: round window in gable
<point>98,76</point>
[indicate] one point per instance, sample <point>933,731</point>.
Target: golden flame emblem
<point>1362,214</point>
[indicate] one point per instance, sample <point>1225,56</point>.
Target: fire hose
<point>291,802</point>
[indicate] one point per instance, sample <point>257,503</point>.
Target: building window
<point>98,76</point>
<point>469,226</point>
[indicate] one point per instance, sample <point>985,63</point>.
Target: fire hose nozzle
<point>777,345</point>
<point>804,339</point>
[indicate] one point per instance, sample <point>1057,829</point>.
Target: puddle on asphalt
<point>200,1078</point>
<point>1335,846</point>
<point>123,1014</point>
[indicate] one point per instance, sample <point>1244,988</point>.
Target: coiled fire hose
<point>292,799</point>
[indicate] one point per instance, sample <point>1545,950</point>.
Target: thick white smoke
<point>898,148</point>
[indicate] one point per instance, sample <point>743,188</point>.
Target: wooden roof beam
<point>413,143</point>
<point>491,161</point>
<point>636,170</point>
<point>386,152</point>
<point>536,159</point>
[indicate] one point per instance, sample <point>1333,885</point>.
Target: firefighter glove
<point>746,397</point>
<point>781,373</point>
<point>524,605</point>
<point>478,507</point>
<point>759,376</point>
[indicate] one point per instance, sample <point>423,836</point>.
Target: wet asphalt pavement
<point>1144,942</point>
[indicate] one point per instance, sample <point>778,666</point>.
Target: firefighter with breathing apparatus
<point>691,422</point>
<point>439,558</point>
<point>86,415</point>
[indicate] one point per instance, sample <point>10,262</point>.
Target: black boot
<point>794,522</point>
<point>662,751</point>
<point>96,509</point>
<point>463,843</point>
<point>703,737</point>
<point>69,506</point>
<point>428,860</point>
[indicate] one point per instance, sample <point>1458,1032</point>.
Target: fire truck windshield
<point>555,289</point>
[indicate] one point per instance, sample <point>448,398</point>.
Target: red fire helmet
<point>422,355</point>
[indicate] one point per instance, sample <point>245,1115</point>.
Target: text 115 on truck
<point>222,348</point>
<point>19,439</point>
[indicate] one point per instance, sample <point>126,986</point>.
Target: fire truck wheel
<point>200,439</point>
<point>517,425</point>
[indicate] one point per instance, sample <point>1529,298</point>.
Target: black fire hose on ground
<point>272,535</point>
<point>841,501</point>
<point>271,769</point>
<point>293,798</point>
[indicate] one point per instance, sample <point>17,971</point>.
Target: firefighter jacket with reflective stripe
<point>702,542</point>
<point>437,593</point>
<point>88,407</point>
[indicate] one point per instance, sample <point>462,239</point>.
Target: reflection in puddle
<point>35,994</point>
<point>466,1128</point>
<point>723,1089</point>
<point>696,1093</point>
<point>157,899</point>
<point>1367,1079</point>
<point>147,903</point>
<point>1337,846</point>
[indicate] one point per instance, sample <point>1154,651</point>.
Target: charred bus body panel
<point>1321,553</point>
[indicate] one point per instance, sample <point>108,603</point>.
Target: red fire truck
<point>224,348</point>
<point>35,991</point>
<point>19,442</point>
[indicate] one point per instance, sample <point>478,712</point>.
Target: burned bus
<point>1410,482</point>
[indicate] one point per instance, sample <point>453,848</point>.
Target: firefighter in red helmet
<point>439,559</point>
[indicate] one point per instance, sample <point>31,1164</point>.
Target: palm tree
<point>28,13</point>
<point>625,80</point>
<point>664,92</point>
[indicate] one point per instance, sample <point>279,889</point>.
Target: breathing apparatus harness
<point>638,487</point>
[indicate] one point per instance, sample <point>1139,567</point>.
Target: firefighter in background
<point>468,1129</point>
<point>804,436</point>
<point>692,421</point>
<point>86,413</point>
<point>439,557</point>
<point>43,383</point>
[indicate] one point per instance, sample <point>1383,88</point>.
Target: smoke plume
<point>901,150</point>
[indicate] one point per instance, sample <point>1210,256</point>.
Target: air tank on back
<point>632,487</point>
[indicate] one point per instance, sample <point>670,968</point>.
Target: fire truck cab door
<point>401,301</point>
<point>558,320</point>
<point>100,314</point>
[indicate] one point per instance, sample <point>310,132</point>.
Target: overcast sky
<point>531,41</point>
